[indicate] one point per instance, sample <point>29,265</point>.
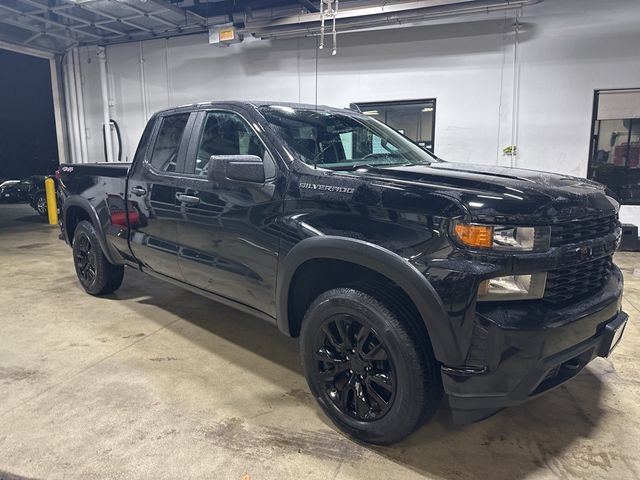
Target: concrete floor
<point>154,382</point>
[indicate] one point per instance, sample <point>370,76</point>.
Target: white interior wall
<point>566,50</point>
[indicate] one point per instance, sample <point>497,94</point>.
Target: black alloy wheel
<point>85,259</point>
<point>369,367</point>
<point>356,370</point>
<point>97,276</point>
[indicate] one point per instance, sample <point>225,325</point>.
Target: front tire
<point>97,276</point>
<point>367,367</point>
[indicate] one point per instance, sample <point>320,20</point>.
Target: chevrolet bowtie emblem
<point>584,252</point>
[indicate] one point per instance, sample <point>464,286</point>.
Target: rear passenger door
<point>152,187</point>
<point>229,239</point>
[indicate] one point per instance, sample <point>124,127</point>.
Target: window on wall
<point>615,147</point>
<point>413,118</point>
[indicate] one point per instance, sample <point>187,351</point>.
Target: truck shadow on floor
<point>12,476</point>
<point>542,436</point>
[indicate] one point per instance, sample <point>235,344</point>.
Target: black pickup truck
<point>404,276</point>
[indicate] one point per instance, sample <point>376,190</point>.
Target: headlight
<point>513,287</point>
<point>495,237</point>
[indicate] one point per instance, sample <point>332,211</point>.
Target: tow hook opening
<point>559,373</point>
<point>465,371</point>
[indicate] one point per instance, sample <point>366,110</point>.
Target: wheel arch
<point>74,210</point>
<point>379,260</point>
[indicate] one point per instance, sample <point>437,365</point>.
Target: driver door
<point>228,240</point>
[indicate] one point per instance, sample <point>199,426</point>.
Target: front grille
<point>569,283</point>
<point>583,229</point>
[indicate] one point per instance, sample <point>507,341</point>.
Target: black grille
<point>568,283</point>
<point>584,229</point>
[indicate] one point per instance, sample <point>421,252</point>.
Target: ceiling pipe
<point>371,17</point>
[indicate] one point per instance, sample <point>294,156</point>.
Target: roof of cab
<point>253,103</point>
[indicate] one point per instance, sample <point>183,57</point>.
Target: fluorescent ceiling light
<point>371,112</point>
<point>427,109</point>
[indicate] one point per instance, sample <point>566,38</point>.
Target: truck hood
<point>502,194</point>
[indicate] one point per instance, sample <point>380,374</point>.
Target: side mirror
<point>240,168</point>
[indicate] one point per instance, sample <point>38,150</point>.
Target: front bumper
<point>523,350</point>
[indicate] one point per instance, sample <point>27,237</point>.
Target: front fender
<point>386,263</point>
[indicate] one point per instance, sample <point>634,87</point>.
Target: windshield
<point>337,140</point>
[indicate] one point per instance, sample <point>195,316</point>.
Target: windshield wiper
<point>356,166</point>
<point>314,162</point>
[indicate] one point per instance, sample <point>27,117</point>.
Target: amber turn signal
<point>474,235</point>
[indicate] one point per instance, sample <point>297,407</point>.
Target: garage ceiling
<point>57,25</point>
<point>61,24</point>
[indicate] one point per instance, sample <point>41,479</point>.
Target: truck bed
<point>99,191</point>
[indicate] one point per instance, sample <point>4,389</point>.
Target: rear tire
<point>97,276</point>
<point>367,366</point>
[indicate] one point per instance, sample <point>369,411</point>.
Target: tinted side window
<point>165,151</point>
<point>225,133</point>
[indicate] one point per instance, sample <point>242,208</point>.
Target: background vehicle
<point>30,190</point>
<point>403,276</point>
<point>10,193</point>
<point>34,192</point>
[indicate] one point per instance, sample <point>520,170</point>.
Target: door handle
<point>138,191</point>
<point>187,199</point>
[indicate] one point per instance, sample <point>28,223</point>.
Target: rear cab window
<point>164,155</point>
